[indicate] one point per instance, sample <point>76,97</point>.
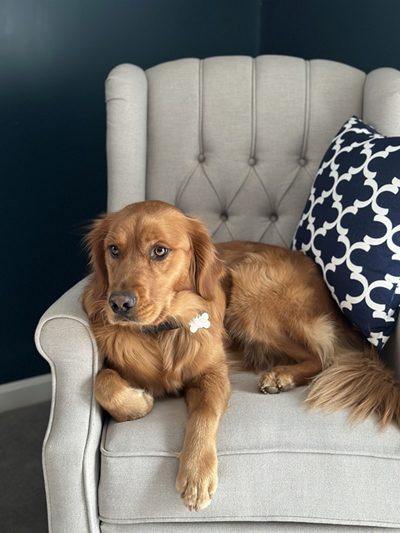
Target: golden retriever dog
<point>166,304</point>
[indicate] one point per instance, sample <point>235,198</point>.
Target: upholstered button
<point>201,158</point>
<point>223,216</point>
<point>252,161</point>
<point>302,162</point>
<point>273,217</point>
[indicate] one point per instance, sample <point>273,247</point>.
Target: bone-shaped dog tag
<point>200,321</point>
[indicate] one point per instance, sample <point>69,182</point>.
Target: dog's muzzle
<point>122,302</point>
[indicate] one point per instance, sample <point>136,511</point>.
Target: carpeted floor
<point>22,497</point>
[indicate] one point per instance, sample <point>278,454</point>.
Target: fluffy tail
<point>361,382</point>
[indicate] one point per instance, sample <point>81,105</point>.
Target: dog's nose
<point>122,302</point>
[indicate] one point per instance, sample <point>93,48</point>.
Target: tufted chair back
<point>234,140</point>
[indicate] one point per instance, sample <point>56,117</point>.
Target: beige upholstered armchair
<point>236,141</point>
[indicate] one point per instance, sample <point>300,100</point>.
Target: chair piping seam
<point>253,110</point>
<point>201,108</point>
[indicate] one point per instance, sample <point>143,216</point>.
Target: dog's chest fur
<point>160,363</point>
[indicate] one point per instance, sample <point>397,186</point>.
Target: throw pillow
<point>351,227</point>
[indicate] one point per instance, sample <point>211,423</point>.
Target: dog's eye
<point>114,251</point>
<point>159,252</point>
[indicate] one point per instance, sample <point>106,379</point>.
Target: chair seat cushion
<point>278,461</point>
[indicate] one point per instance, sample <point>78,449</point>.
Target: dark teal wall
<point>54,57</point>
<point>362,33</point>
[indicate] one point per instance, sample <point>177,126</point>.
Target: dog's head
<point>142,256</point>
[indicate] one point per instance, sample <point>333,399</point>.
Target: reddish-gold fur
<point>139,366</point>
<point>278,315</point>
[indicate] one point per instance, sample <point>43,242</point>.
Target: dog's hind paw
<point>275,381</point>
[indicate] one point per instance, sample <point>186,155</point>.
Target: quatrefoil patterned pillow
<point>351,227</point>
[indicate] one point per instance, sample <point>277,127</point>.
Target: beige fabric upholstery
<point>273,455</point>
<point>238,140</point>
<point>71,444</point>
<point>126,99</point>
<point>382,100</point>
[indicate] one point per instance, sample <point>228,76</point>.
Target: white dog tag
<point>199,322</point>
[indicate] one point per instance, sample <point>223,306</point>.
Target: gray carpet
<point>22,497</point>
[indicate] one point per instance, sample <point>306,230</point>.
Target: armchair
<point>236,141</point>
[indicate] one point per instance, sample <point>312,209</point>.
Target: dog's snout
<point>122,302</point>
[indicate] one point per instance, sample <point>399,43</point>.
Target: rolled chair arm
<point>381,109</point>
<point>71,444</point>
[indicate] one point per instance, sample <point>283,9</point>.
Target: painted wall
<point>54,57</point>
<point>361,33</point>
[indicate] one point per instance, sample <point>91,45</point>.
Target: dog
<point>166,306</point>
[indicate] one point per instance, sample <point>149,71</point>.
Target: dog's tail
<point>360,381</point>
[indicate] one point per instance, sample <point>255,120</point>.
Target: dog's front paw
<point>276,380</point>
<point>197,481</point>
<point>131,404</point>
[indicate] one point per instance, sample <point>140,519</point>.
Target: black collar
<point>164,326</point>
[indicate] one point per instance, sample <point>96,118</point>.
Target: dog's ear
<point>207,268</point>
<point>94,241</point>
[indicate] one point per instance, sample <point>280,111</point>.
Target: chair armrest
<point>381,105</point>
<point>381,109</point>
<point>71,444</point>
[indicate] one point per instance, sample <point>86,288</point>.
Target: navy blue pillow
<point>351,227</point>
